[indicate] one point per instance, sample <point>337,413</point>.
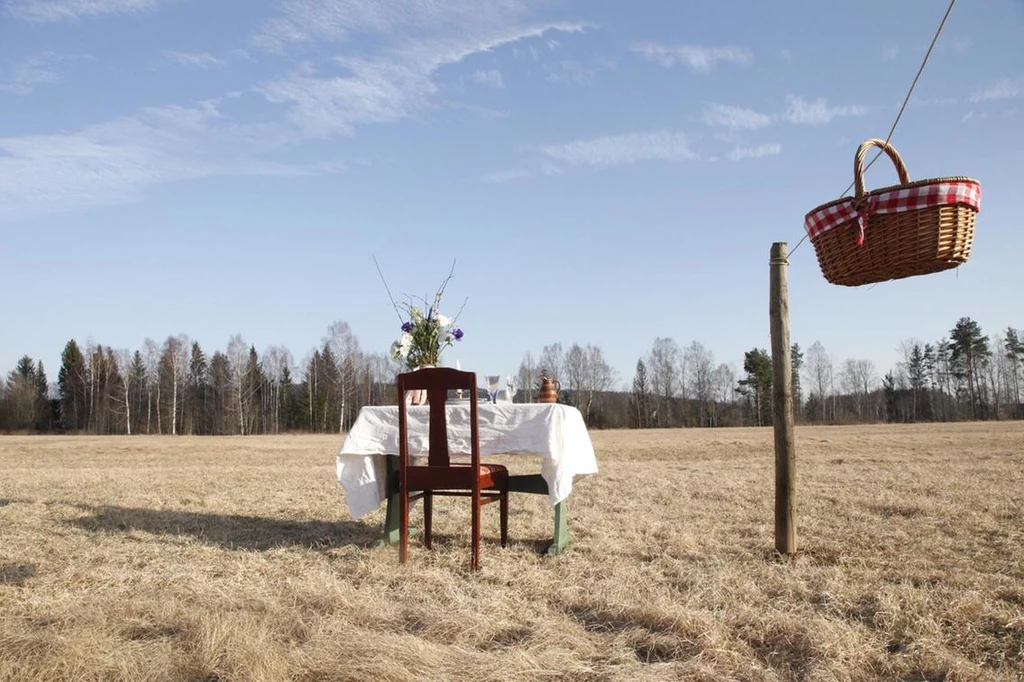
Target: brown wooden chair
<point>484,483</point>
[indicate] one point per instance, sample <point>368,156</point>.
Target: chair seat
<point>455,477</point>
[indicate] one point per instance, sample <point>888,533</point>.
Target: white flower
<point>443,320</point>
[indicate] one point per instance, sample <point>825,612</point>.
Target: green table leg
<point>393,505</point>
<point>536,485</point>
<point>562,539</point>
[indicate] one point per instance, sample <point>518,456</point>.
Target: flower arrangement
<point>424,335</point>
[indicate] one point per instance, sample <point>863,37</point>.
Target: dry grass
<point>234,559</point>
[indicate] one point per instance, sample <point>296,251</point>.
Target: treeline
<point>178,388</point>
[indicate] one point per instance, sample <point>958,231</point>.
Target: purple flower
<point>457,334</point>
<point>407,327</point>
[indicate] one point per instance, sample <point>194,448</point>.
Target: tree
<point>598,377</point>
<point>663,366</point>
<point>725,382</point>
<point>72,388</point>
<point>238,361</point>
<point>819,375</point>
<point>575,370</point>
<point>124,361</point>
<point>345,350</point>
<point>222,395</point>
<point>796,357</point>
<point>858,380</point>
<point>151,356</point>
<point>1013,347</point>
<point>916,362</point>
<point>138,383</point>
<point>526,378</point>
<point>698,370</point>
<point>197,391</point>
<point>969,349</point>
<point>757,385</point>
<point>639,397</point>
<point>551,360</point>
<point>174,361</point>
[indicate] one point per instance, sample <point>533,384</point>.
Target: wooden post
<point>782,397</point>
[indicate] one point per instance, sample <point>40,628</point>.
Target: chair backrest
<point>437,381</point>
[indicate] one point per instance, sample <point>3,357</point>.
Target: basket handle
<point>858,163</point>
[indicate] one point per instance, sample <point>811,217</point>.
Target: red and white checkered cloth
<point>942,193</point>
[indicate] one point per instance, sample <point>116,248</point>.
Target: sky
<point>600,172</point>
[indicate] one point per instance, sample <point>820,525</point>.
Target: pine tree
<point>71,380</point>
<point>968,353</point>
<point>757,385</point>
<point>640,398</point>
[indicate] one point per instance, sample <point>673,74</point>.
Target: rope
<point>899,115</point>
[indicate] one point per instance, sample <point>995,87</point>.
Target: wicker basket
<point>913,228</point>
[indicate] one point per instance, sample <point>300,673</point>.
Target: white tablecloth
<point>556,433</point>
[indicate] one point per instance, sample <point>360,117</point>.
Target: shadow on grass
<point>444,540</point>
<point>15,574</point>
<point>230,531</point>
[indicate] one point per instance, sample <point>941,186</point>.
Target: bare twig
<point>388,289</point>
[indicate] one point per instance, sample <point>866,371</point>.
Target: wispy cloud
<point>570,72</point>
<point>1005,88</point>
<point>200,60</point>
<point>68,10</point>
<point>23,76</point>
<point>501,177</point>
<point>734,118</point>
<point>409,42</point>
<point>818,112</point>
<point>492,78</point>
<point>757,152</point>
<point>113,162</point>
<point>628,148</point>
<point>700,59</point>
<point>932,102</point>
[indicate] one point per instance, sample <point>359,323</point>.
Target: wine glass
<point>492,386</point>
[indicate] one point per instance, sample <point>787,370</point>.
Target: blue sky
<point>603,172</point>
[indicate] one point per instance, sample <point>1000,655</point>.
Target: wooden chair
<point>484,483</point>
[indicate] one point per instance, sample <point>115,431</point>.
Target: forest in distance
<point>176,388</point>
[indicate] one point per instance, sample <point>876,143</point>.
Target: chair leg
<point>403,525</point>
<point>475,557</point>
<point>503,512</point>
<point>428,513</point>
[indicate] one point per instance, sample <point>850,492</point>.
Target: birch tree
<point>345,349</point>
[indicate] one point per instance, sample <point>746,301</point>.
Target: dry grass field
<point>235,559</point>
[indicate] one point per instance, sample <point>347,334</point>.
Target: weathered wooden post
<point>782,403</point>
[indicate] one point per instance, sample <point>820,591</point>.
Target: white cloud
<point>613,150</point>
<point>700,59</point>
<point>22,77</point>
<point>501,177</point>
<point>1005,88</point>
<point>396,78</point>
<point>739,153</point>
<point>734,118</point>
<point>934,102</point>
<point>569,72</point>
<point>404,21</point>
<point>201,60</point>
<point>491,78</point>
<point>113,162</point>
<point>65,10</point>
<point>818,112</point>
